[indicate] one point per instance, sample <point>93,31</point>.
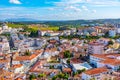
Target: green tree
<point>75,73</point>
<point>106,34</point>
<point>66,76</point>
<point>62,76</point>
<point>51,66</point>
<point>68,61</point>
<point>33,33</point>
<point>93,79</point>
<point>54,78</point>
<point>119,68</point>
<point>80,71</point>
<point>83,70</point>
<point>67,54</point>
<point>110,42</point>
<point>27,53</point>
<point>32,76</point>
<point>73,43</point>
<point>41,75</point>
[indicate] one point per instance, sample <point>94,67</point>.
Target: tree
<point>61,76</point>
<point>41,75</point>
<point>73,43</point>
<point>80,71</point>
<point>75,73</point>
<point>106,34</point>
<point>93,79</point>
<point>66,76</point>
<point>110,42</point>
<point>51,66</point>
<point>32,76</point>
<point>80,56</point>
<point>67,54</point>
<point>83,70</point>
<point>33,34</point>
<point>54,78</point>
<point>68,61</point>
<point>119,68</point>
<point>27,53</point>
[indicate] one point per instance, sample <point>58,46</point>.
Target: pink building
<point>95,48</point>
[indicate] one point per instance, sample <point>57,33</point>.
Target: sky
<point>59,9</point>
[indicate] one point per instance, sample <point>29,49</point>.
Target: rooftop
<point>106,56</point>
<point>22,58</point>
<point>95,43</point>
<point>17,65</point>
<point>111,61</point>
<point>96,71</point>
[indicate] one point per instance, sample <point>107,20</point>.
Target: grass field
<point>49,28</point>
<point>32,27</point>
<point>15,25</point>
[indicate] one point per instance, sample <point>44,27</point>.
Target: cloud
<point>15,1</point>
<point>85,8</point>
<point>72,1</point>
<point>72,8</point>
<point>51,9</point>
<point>62,9</point>
<point>103,2</point>
<point>94,11</point>
<point>89,2</point>
<point>17,12</point>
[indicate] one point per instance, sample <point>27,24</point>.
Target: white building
<point>117,27</point>
<point>113,64</point>
<point>17,68</point>
<point>4,64</point>
<point>81,66</point>
<point>14,36</point>
<point>111,61</point>
<point>66,32</point>
<point>95,58</point>
<point>95,48</point>
<point>4,45</point>
<point>112,33</point>
<point>94,73</point>
<point>27,60</point>
<point>50,52</point>
<point>104,41</point>
<point>4,27</point>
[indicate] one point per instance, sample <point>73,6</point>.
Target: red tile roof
<point>96,71</point>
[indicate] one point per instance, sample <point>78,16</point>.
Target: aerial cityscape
<point>59,39</point>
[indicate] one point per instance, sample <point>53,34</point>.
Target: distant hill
<point>82,22</point>
<point>20,19</point>
<point>72,23</point>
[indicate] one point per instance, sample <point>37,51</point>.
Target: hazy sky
<point>59,9</point>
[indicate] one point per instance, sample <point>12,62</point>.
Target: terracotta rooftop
<point>111,61</point>
<point>3,61</point>
<point>38,67</point>
<point>106,56</point>
<point>5,73</point>
<point>17,65</point>
<point>96,71</point>
<point>105,39</point>
<point>22,58</point>
<point>74,60</point>
<point>95,43</point>
<point>68,70</point>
